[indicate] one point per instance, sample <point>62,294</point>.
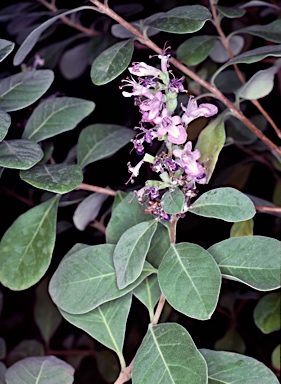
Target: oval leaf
<point>221,55</point>
<point>148,292</point>
<point>6,47</point>
<point>229,367</point>
<point>130,252</point>
<point>19,154</point>
<point>168,355</point>
<point>20,90</point>
<point>34,36</point>
<point>231,341</point>
<point>76,291</point>
<point>57,178</point>
<point>185,19</point>
<point>99,141</point>
<point>88,210</point>
<point>40,370</point>
<point>267,313</point>
<point>251,56</point>
<point>126,214</point>
<point>160,243</point>
<point>270,32</point>
<point>252,260</point>
<point>56,115</point>
<point>231,12</point>
<point>259,85</point>
<point>210,142</point>
<point>112,62</point>
<point>5,122</point>
<point>27,246</point>
<point>190,280</point>
<point>173,201</point>
<point>107,323</point>
<point>196,49</point>
<point>227,204</point>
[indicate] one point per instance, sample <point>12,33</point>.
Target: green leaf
<point>57,178</point>
<point>259,85</point>
<point>190,280</point>
<point>227,204</point>
<point>267,313</point>
<point>252,260</point>
<point>220,54</point>
<point>126,214</point>
<point>120,195</point>
<point>196,49</point>
<point>229,368</point>
<point>269,32</point>
<point>86,279</point>
<point>185,19</point>
<point>210,143</point>
<point>251,56</point>
<point>148,292</point>
<point>88,210</point>
<point>19,154</point>
<point>46,314</point>
<point>34,36</point>
<point>99,141</point>
<point>160,243</point>
<point>26,247</point>
<point>106,323</point>
<point>112,62</point>
<point>231,12</point>
<point>168,355</point>
<point>275,357</point>
<point>56,115</point>
<point>5,122</point>
<point>23,89</point>
<point>130,252</point>
<point>231,341</point>
<point>173,201</point>
<point>239,132</point>
<point>6,48</point>
<point>40,370</point>
<point>242,228</point>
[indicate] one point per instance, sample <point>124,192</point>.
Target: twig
<point>215,91</point>
<point>69,22</point>
<point>225,42</point>
<point>266,209</point>
<point>93,188</point>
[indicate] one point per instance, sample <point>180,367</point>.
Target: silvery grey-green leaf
<point>5,122</point>
<point>19,154</point>
<point>6,47</point>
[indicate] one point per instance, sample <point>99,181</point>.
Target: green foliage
<point>107,323</point>
<point>54,116</point>
<point>112,62</point>
<point>175,357</point>
<point>186,19</point>
<point>76,292</point>
<point>132,246</point>
<point>40,370</point>
<point>224,203</point>
<point>131,250</point>
<point>27,246</point>
<point>228,367</point>
<point>253,260</point>
<point>190,280</point>
<point>20,90</point>
<point>267,313</point>
<point>98,141</point>
<point>55,178</point>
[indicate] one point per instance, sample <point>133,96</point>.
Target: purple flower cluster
<point>155,94</point>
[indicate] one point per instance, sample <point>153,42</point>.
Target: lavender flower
<point>171,125</point>
<point>192,111</point>
<point>142,69</point>
<point>150,108</point>
<point>188,161</point>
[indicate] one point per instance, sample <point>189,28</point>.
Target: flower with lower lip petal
<point>171,125</point>
<point>192,111</point>
<point>188,161</point>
